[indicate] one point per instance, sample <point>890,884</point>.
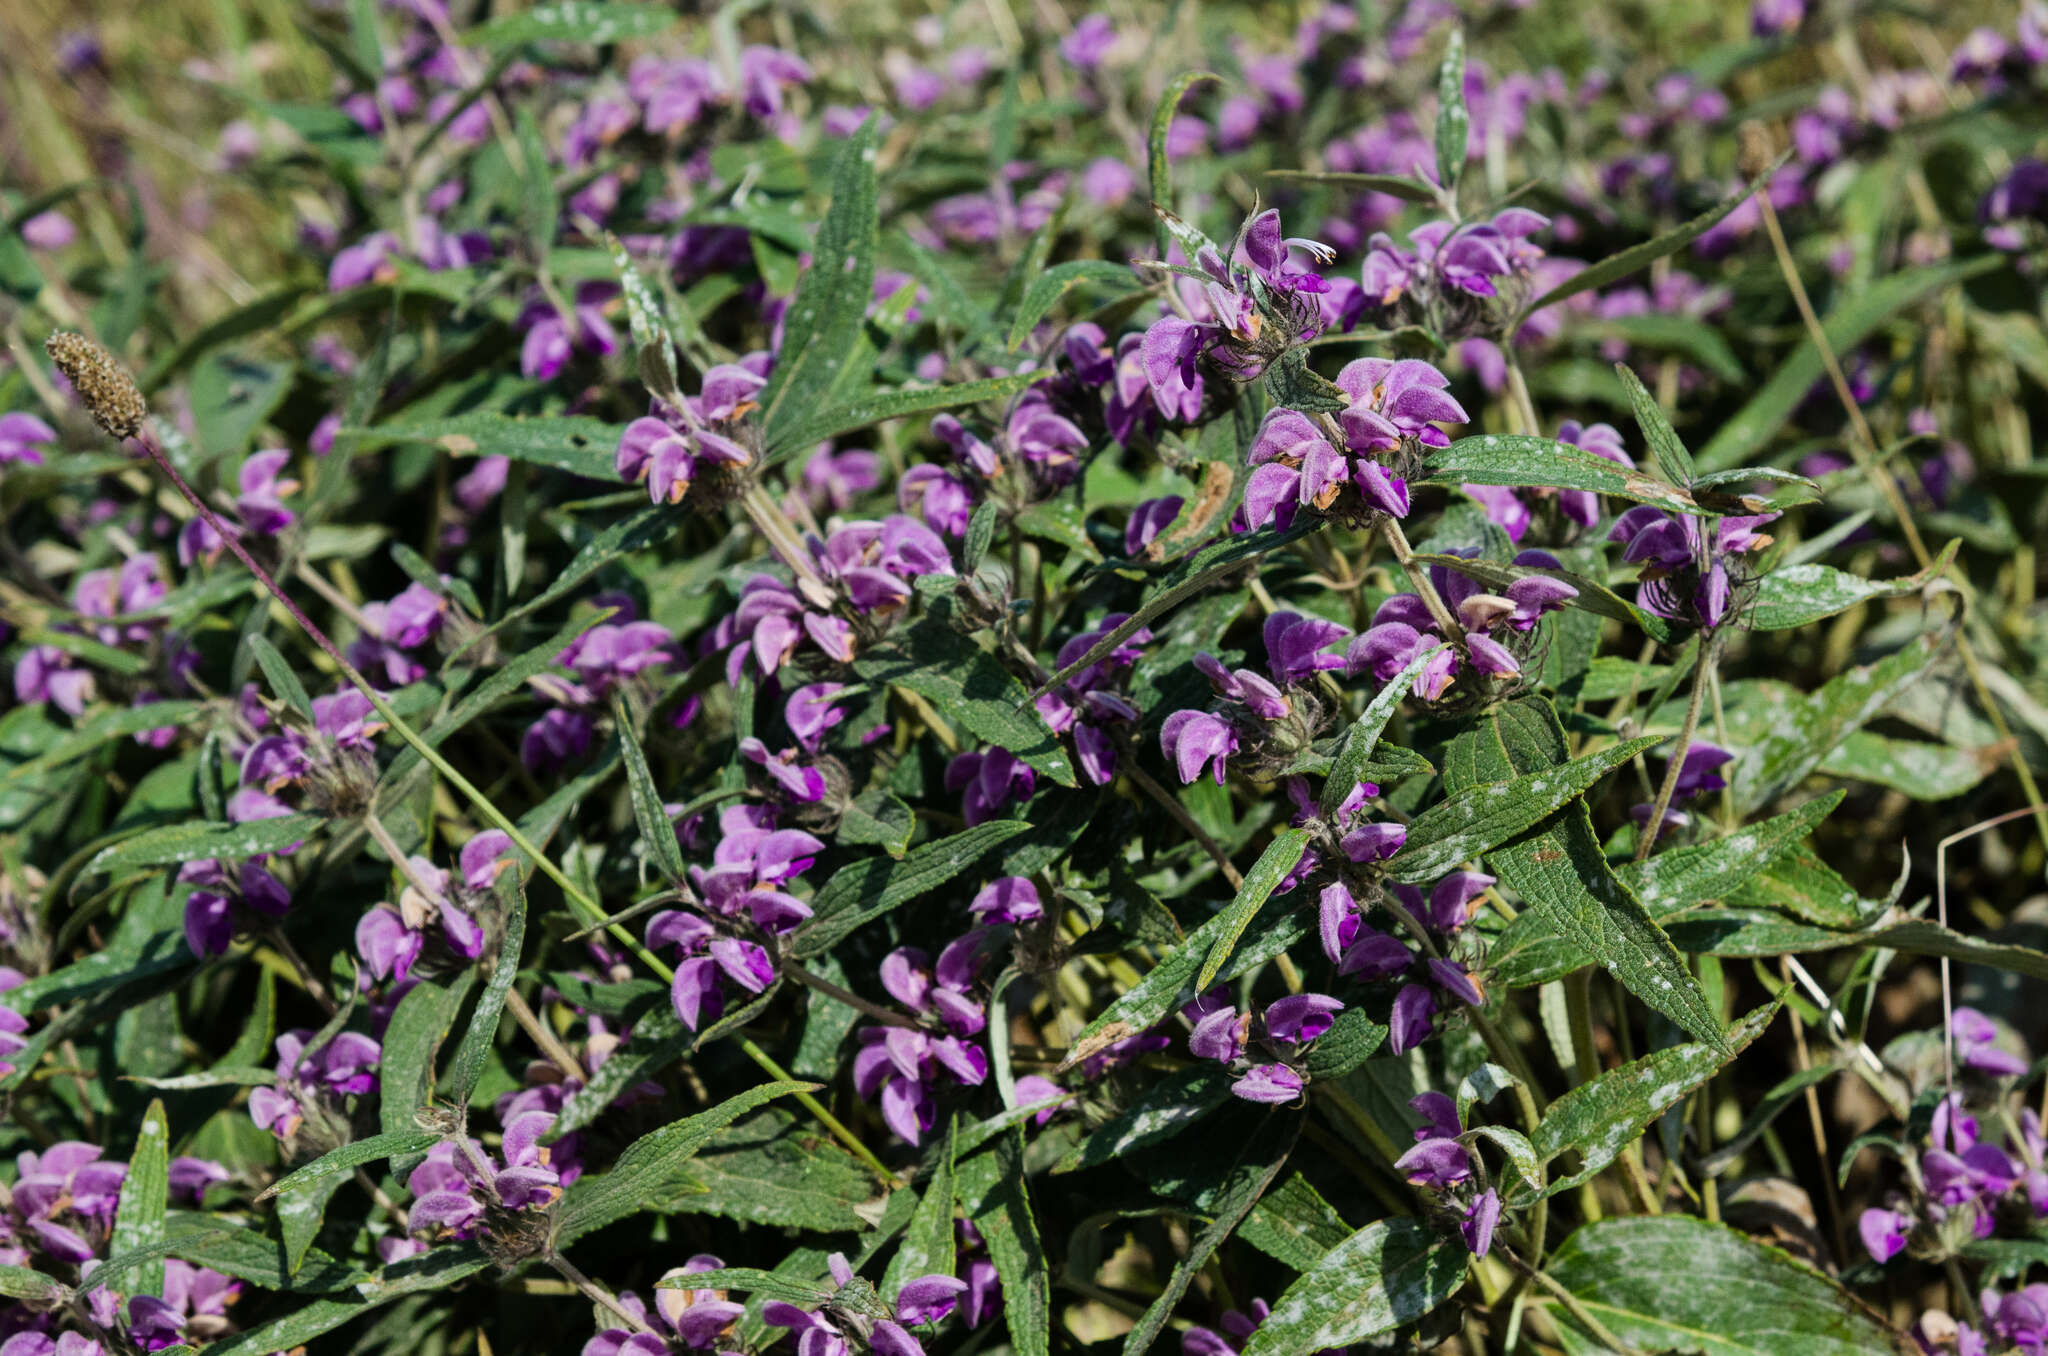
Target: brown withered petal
<point>108,393</point>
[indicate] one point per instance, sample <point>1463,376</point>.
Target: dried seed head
<point>109,394</point>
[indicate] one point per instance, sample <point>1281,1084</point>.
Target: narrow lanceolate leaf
<point>175,843</point>
<point>969,687</point>
<point>28,1284</point>
<point>145,1198</point>
<point>1271,868</point>
<point>284,683</point>
<point>824,319</point>
<point>1674,880</point>
<point>348,1158</point>
<point>104,728</point>
<point>1809,729</point>
<point>1172,981</point>
<point>996,1197</point>
<point>483,1023</point>
<point>1597,1120</point>
<point>1045,291</point>
<point>1478,818</point>
<point>656,829</point>
<point>1673,458</point>
<point>1393,185</point>
<point>1158,1114</point>
<point>751,1281</point>
<point>1453,122</point>
<point>1257,1166</point>
<point>1800,594</point>
<point>654,346</point>
<point>1861,311</point>
<point>1294,1224</point>
<point>1563,877</point>
<point>1387,1274</point>
<point>851,416</point>
<point>1364,736</point>
<point>927,1246</point>
<point>405,1076</point>
<point>655,1167</point>
<point>585,21</point>
<point>1520,459</point>
<point>870,888</point>
<point>1678,878</point>
<point>1739,1297</point>
<point>564,442</point>
<point>1650,251</point>
<point>1156,162</point>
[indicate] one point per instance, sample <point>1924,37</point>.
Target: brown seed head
<point>109,394</point>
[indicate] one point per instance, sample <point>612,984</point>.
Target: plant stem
<point>1570,1304</point>
<point>542,1034</point>
<point>594,1292</point>
<point>817,1109</point>
<point>1179,813</point>
<point>1710,651</point>
<point>875,1011</point>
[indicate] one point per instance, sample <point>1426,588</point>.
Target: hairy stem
<point>1710,651</point>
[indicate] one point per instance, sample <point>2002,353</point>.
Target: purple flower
<point>988,781</point>
<point>1148,520</point>
<point>1976,1038</point>
<point>1089,42</point>
<point>1274,1084</point>
<point>1295,646</point>
<point>24,438</point>
<point>1190,739</point>
<point>1413,1018</point>
<point>1884,1233</point>
<point>1009,899</point>
<point>1480,1218</point>
<point>1300,1018</point>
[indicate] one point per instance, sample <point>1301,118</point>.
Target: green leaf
<point>1861,311</point>
<point>1478,818</point>
<point>654,1167</point>
<point>209,1241</point>
<point>751,1280</point>
<point>657,831</point>
<point>284,683</point>
<point>338,1162</point>
<point>658,1038</point>
<point>780,1174</point>
<point>294,1329</point>
<point>1665,332</point>
<point>1159,169</point>
<point>1641,256</point>
<point>1293,1224</point>
<point>1292,384</point>
<point>1739,1297</point>
<point>1257,1165</point>
<point>1351,1040</point>
<point>482,1034</point>
<point>1808,729</point>
<point>822,326</point>
<point>870,888</point>
<point>970,687</point>
<point>1699,873</point>
<point>1911,767</point>
<point>1271,868</point>
<point>1519,459</point>
<point>145,1197</point>
<point>585,21</point>
<point>1393,185</point>
<point>1158,1113</point>
<point>1388,1273</point>
<point>927,1247</point>
<point>405,1076</point>
<point>876,408</point>
<point>540,204</point>
<point>1767,1109</point>
<point>1453,122</point>
<point>1672,456</point>
<point>174,843</point>
<point>1563,877</point>
<point>1598,1119</point>
<point>564,442</point>
<point>878,818</point>
<point>1045,291</point>
<point>1364,735</point>
<point>88,735</point>
<point>994,1194</point>
<point>1799,594</point>
<point>653,345</point>
<point>228,1076</point>
<point>27,1284</point>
